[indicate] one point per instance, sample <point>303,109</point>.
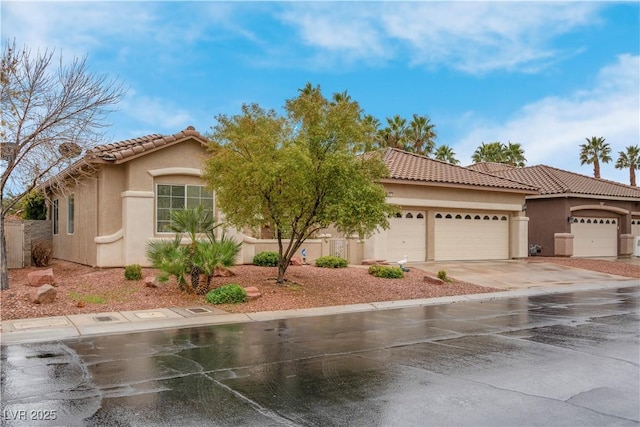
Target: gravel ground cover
<point>83,289</point>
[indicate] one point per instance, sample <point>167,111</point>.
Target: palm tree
<point>421,135</point>
<point>629,159</point>
<point>371,127</point>
<point>514,155</point>
<point>395,134</point>
<point>488,152</point>
<point>595,151</point>
<point>446,154</point>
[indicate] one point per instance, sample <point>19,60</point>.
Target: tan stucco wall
<point>78,247</point>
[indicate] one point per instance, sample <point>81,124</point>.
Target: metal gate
<point>338,247</point>
<point>14,235</point>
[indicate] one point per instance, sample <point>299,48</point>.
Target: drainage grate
<point>104,318</point>
<point>197,310</point>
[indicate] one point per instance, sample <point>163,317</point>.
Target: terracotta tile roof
<point>413,167</point>
<point>118,152</point>
<point>551,180</point>
<point>489,167</point>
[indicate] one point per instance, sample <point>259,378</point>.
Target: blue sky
<point>544,74</point>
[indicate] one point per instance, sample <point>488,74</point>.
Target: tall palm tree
<point>629,159</point>
<point>595,151</point>
<point>488,152</point>
<point>371,127</point>
<point>514,155</point>
<point>421,135</point>
<point>395,134</point>
<point>446,154</point>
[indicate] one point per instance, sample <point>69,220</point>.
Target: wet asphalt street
<point>564,359</point>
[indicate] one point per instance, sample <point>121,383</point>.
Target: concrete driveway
<point>522,274</point>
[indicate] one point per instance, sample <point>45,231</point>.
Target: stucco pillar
<point>375,247</point>
<point>137,224</point>
<point>626,245</point>
<point>563,244</point>
<point>519,236</point>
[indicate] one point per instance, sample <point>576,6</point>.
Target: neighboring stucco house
<point>576,215</point>
<point>448,212</point>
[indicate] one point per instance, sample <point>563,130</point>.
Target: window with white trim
<point>172,197</point>
<point>55,216</point>
<point>71,214</point>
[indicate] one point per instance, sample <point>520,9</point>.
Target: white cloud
<point>551,129</point>
<point>474,37</point>
<point>156,113</point>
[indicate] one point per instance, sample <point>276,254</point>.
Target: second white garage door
<point>407,236</point>
<point>593,237</point>
<point>471,236</point>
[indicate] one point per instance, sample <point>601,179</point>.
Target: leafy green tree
<point>51,111</point>
<point>34,206</point>
<point>629,159</point>
<point>297,173</point>
<point>594,151</point>
<point>421,135</point>
<point>445,153</point>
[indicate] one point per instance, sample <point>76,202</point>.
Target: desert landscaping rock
<point>150,282</point>
<point>223,272</point>
<point>41,277</point>
<point>252,292</point>
<point>45,294</point>
<point>296,260</point>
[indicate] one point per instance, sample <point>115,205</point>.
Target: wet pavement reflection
<point>563,359</point>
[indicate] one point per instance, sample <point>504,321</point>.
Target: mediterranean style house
<point>125,196</point>
<point>576,215</point>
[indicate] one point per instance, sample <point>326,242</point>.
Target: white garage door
<point>471,236</point>
<point>635,227</point>
<point>593,237</point>
<point>407,236</point>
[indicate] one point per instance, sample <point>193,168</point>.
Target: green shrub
<point>386,272</point>
<point>331,262</point>
<point>266,259</point>
<point>442,275</point>
<point>227,294</point>
<point>133,272</point>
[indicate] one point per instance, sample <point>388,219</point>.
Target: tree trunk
<point>632,176</point>
<point>282,268</point>
<point>4,266</point>
<point>596,168</point>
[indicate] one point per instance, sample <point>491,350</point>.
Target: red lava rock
<point>150,282</point>
<point>43,295</point>
<point>41,277</point>
<point>223,272</point>
<point>296,260</point>
<point>252,292</point>
<point>433,280</point>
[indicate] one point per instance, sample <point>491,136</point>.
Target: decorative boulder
<point>151,282</point>
<point>43,295</point>
<point>252,292</point>
<point>296,260</point>
<point>223,272</point>
<point>41,277</point>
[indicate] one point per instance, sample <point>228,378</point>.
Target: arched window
<point>582,221</point>
<point>439,216</point>
<point>409,215</point>
<point>504,218</point>
<point>448,216</point>
<point>420,216</point>
<point>486,218</point>
<point>398,215</point>
<point>589,221</point>
<point>477,217</point>
<point>458,216</point>
<point>495,218</point>
<point>613,221</point>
